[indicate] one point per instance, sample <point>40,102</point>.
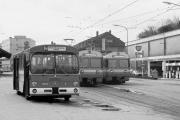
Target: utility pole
<point>126,34</point>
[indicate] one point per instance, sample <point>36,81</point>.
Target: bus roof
<point>50,48</point>
<point>53,48</point>
<point>90,53</point>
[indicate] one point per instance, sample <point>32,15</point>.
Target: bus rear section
<point>90,67</point>
<point>117,68</point>
<point>49,72</point>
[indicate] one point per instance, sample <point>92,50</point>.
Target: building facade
<point>14,45</point>
<point>160,52</point>
<point>105,43</point>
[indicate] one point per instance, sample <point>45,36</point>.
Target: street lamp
<point>170,3</point>
<point>127,33</point>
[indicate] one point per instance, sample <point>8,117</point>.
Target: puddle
<point>137,92</point>
<point>125,90</point>
<point>111,109</point>
<point>132,91</point>
<point>86,100</point>
<point>105,107</point>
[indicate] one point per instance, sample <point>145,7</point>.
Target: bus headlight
<point>75,90</point>
<point>34,84</point>
<point>34,91</point>
<point>82,71</point>
<point>75,84</point>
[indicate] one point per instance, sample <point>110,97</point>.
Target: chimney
<point>97,33</point>
<point>110,31</point>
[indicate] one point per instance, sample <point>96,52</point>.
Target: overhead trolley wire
<point>157,15</point>
<point>115,12</point>
<point>101,20</point>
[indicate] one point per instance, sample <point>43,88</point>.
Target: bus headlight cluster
<point>34,91</point>
<point>75,84</point>
<point>82,71</point>
<point>75,90</point>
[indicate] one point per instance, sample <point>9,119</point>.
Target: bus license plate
<point>55,90</point>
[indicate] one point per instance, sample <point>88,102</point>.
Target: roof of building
<point>103,35</point>
<point>4,53</point>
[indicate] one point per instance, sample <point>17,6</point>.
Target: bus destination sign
<point>55,48</point>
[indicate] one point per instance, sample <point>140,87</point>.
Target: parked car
<point>136,73</point>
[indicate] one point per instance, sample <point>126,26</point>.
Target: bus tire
<point>94,81</point>
<point>18,92</point>
<point>104,80</point>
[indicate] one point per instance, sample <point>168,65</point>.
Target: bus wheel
<point>104,80</point>
<point>67,98</point>
<point>18,93</point>
<point>27,97</point>
<point>114,80</point>
<point>94,81</point>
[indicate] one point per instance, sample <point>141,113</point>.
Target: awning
<point>158,58</point>
<point>4,53</point>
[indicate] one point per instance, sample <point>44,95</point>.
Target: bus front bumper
<point>53,91</point>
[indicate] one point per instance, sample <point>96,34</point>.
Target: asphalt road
<point>104,102</point>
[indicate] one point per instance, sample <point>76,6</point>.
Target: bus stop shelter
<point>4,53</point>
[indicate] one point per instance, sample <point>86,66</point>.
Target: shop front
<point>165,66</point>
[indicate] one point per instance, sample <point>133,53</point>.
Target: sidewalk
<point>169,79</point>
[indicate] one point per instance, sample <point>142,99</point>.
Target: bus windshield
<point>96,62</point>
<point>118,63</point>
<point>54,63</point>
<point>84,62</point>
<point>90,62</point>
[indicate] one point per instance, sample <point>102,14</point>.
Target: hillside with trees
<point>169,25</point>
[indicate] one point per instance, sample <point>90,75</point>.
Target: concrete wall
<point>173,45</point>
<point>157,47</point>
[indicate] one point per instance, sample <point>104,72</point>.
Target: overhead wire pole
<point>126,35</point>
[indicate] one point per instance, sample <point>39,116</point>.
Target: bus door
<point>16,73</point>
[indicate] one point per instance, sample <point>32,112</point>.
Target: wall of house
<point>156,47</point>
<point>173,45</point>
<point>165,44</point>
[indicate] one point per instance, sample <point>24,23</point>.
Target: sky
<point>56,20</point>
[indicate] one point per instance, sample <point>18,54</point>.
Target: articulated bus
<point>47,70</point>
<point>117,67</point>
<point>90,67</point>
